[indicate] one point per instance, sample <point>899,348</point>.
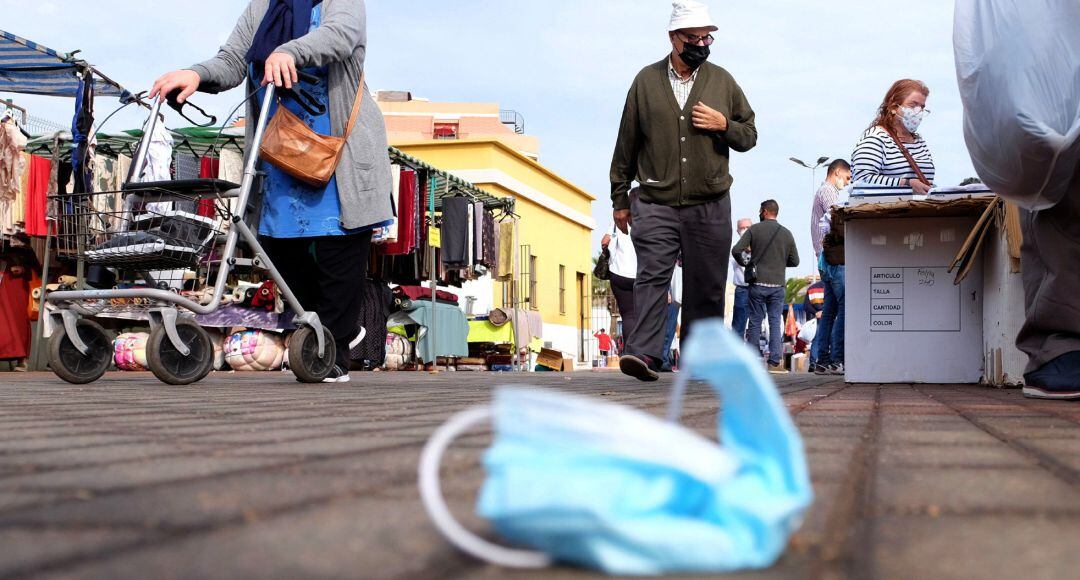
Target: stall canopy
<point>30,68</point>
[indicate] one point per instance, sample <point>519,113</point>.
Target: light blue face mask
<point>605,486</point>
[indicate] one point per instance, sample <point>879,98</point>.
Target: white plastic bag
<point>808,330</point>
<point>1018,65</point>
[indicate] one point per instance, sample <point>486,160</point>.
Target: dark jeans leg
<point>740,314</point>
<point>821,350</point>
<point>294,260</point>
<point>623,289</point>
<point>836,286</point>
<point>669,336</point>
<point>756,300</point>
<point>774,305</point>
<point>656,235</point>
<point>341,262</point>
<point>1049,258</point>
<point>706,240</point>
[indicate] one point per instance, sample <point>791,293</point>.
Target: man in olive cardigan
<point>682,117</point>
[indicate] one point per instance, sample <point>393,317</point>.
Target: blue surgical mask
<point>582,481</point>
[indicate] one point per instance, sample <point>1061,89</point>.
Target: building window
<point>446,131</point>
<point>562,289</point>
<point>534,301</point>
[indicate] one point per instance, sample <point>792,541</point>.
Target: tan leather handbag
<point>291,146</point>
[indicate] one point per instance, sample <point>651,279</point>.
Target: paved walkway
<point>257,476</point>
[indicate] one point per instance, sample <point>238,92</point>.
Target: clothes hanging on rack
<point>12,142</point>
<point>208,169</point>
<point>108,179</point>
<point>409,215</point>
<point>17,267</point>
<point>455,231</point>
<point>506,250</point>
<point>489,256</point>
<point>158,155</point>
<point>187,166</point>
<point>37,190</point>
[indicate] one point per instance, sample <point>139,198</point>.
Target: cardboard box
<point>550,358</point>
<point>906,322</point>
<point>567,364</point>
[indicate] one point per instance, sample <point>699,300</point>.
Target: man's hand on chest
<point>707,118</point>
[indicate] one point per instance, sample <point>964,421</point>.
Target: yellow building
<point>555,228</point>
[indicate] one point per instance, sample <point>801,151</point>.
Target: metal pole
<point>432,342</point>
<point>36,362</point>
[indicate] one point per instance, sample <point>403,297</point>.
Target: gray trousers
<point>1050,260</point>
<point>703,234</point>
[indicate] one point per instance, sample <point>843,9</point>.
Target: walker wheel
<point>172,367</point>
<point>304,359</point>
<point>73,366</point>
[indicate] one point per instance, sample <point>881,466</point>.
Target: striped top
<point>877,160</point>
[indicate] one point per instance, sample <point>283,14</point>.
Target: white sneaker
<point>337,375</point>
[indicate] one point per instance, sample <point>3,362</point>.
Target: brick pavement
<point>254,475</point>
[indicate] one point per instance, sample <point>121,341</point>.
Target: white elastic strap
<point>432,497</point>
<point>674,410</point>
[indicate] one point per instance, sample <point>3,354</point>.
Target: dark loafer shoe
<point>639,367</point>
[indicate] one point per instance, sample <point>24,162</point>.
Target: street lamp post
<point>813,169</point>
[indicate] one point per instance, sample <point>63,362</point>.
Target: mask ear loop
<point>435,505</point>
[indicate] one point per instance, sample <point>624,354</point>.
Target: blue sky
<point>814,71</point>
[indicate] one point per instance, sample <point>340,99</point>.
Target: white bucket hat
<point>690,14</point>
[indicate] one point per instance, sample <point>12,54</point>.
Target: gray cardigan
<point>340,43</point>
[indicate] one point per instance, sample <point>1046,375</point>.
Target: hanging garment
<point>392,229</point>
<point>158,155</point>
<point>208,169</point>
<point>37,188</point>
<point>14,298</point>
<point>408,215</point>
<point>12,142</point>
<point>230,165</point>
<point>506,250</point>
<point>18,210</point>
<point>490,254</point>
<point>455,231</point>
<point>82,141</point>
<point>187,166</point>
<point>478,233</point>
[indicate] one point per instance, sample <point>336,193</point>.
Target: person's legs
<point>705,232</point>
<point>756,301</point>
<point>1051,332</point>
<point>740,314</point>
<point>821,351</point>
<point>836,287</point>
<point>623,289</point>
<point>669,336</point>
<point>294,260</point>
<point>341,263</point>
<point>774,306</point>
<point>656,240</point>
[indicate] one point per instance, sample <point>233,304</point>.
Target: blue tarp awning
<point>28,67</point>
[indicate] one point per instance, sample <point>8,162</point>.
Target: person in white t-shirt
<point>623,269</point>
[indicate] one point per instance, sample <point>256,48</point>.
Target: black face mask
<point>694,55</point>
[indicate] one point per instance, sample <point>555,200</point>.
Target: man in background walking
<point>827,352</point>
<point>774,252</point>
<point>740,314</point>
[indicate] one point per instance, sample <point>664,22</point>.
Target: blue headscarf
<point>285,20</point>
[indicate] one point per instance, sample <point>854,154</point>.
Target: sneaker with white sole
<point>337,375</point>
<point>836,369</point>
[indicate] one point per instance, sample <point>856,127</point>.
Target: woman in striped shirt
<point>877,159</point>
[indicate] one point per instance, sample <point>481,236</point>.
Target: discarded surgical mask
<point>592,483</point>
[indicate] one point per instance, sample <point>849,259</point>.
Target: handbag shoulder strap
<point>907,155</point>
<point>755,255</point>
<point>356,107</point>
